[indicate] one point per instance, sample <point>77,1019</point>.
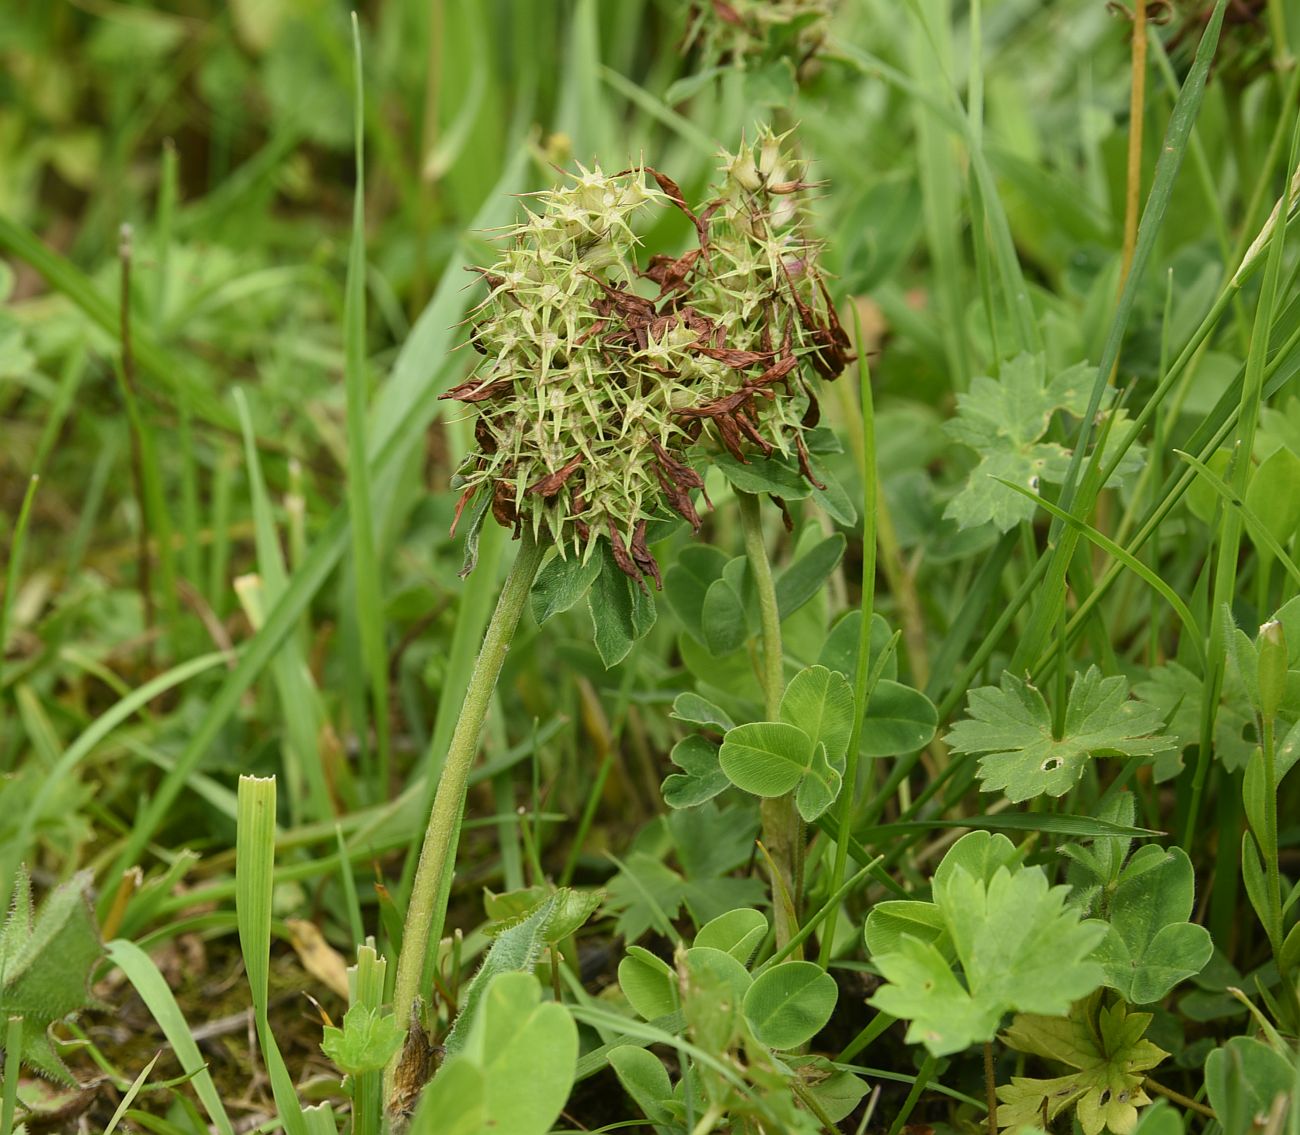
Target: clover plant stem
<point>782,827</point>
<point>861,692</point>
<point>773,674</point>
<point>427,906</point>
<point>1178,1098</point>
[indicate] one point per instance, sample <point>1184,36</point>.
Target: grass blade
<point>161,365</point>
<point>365,565</point>
<point>72,756</point>
<point>152,987</point>
<point>1107,545</point>
<point>1046,610</point>
<point>14,567</point>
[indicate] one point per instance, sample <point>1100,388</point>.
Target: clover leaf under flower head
<point>591,393</point>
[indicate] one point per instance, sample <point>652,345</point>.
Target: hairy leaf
<point>45,962</point>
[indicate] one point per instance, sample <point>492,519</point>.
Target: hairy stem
<point>861,692</point>
<point>427,907</point>
<point>782,828</point>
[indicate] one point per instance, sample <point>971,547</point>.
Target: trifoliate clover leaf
<point>1019,945</point>
<point>1011,726</point>
<point>1151,946</point>
<point>1111,1057</point>
<point>368,1039</point>
<point>804,752</point>
<point>710,843</point>
<point>701,777</point>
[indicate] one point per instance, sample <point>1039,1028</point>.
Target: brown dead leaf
<point>318,957</point>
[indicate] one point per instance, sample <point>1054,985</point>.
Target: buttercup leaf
<point>1011,726</point>
<point>1020,947</point>
<point>1004,421</point>
<point>1111,1058</point>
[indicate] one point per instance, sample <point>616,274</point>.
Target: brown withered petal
<point>669,186</point>
<point>705,217</point>
<point>680,471</point>
<point>828,359</point>
<point>626,564</point>
<point>777,371</point>
<point>813,414</point>
<point>474,391</point>
<point>489,277</point>
<point>729,432</point>
<point>671,273</point>
<point>838,333</point>
<point>805,466</point>
<point>786,518</point>
<point>751,431</point>
<point>483,436</point>
<point>465,498</point>
<point>503,505</point>
<point>736,359</point>
<point>552,483</point>
<point>676,478</point>
<point>719,407</point>
<point>645,561</point>
<point>678,499</point>
<point>726,13</point>
<point>806,316</point>
<point>784,188</point>
<point>629,303</point>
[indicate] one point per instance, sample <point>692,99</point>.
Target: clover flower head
<point>594,392</point>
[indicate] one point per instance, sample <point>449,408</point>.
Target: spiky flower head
<point>593,389</point>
